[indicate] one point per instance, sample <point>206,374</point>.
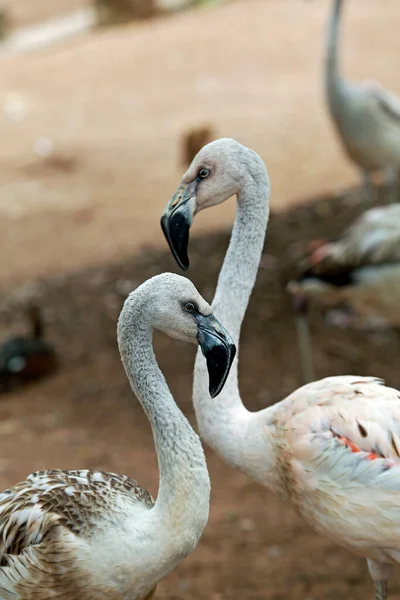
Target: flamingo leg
<point>381,590</point>
<point>391,184</point>
<point>304,338</point>
<point>380,573</point>
<point>367,187</point>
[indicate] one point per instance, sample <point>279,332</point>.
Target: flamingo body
<point>361,269</point>
<point>365,115</point>
<point>338,459</point>
<point>367,118</point>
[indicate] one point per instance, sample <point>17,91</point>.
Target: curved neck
<point>332,66</point>
<point>184,487</point>
<point>239,270</point>
<point>223,421</point>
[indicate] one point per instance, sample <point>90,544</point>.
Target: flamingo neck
<point>224,422</point>
<point>184,484</point>
<point>332,62</point>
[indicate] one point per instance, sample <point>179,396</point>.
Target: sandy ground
<point>114,104</point>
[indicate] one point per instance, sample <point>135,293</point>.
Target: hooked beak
<point>218,348</point>
<point>177,219</point>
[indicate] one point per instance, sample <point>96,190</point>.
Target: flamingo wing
<point>373,239</point>
<point>387,102</point>
<point>45,519</point>
<point>340,446</point>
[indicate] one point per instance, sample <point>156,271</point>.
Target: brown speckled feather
<point>42,521</point>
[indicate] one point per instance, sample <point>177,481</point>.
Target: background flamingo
<point>365,115</point>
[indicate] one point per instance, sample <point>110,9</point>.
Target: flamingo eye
<point>203,173</point>
<point>190,307</point>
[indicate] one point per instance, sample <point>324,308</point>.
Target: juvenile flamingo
<point>332,448</point>
<point>90,535</point>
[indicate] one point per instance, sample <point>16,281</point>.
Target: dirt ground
<point>85,415</point>
<point>80,229</point>
<point>115,102</point>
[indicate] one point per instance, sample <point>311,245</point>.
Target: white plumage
<point>361,269</point>
<point>332,448</point>
<point>365,115</point>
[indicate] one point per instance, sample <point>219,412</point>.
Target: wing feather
<point>388,102</point>
<point>373,239</point>
<point>347,424</point>
<point>73,499</point>
<point>343,478</point>
<point>44,519</point>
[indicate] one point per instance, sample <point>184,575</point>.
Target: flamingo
<point>361,269</point>
<point>91,535</point>
<point>332,447</point>
<point>365,115</point>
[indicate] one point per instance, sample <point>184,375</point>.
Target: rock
<point>111,12</point>
<point>5,23</point>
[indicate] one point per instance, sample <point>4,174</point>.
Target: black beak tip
<point>179,247</point>
<point>182,258</point>
<point>183,262</point>
<point>214,391</point>
<point>215,387</point>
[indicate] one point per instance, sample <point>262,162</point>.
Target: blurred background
<point>98,100</point>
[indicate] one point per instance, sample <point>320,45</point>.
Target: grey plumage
<point>90,535</point>
<point>366,116</point>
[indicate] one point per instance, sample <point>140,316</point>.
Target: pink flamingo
<point>331,448</point>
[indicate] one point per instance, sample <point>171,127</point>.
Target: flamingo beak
<point>177,219</point>
<point>218,348</point>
